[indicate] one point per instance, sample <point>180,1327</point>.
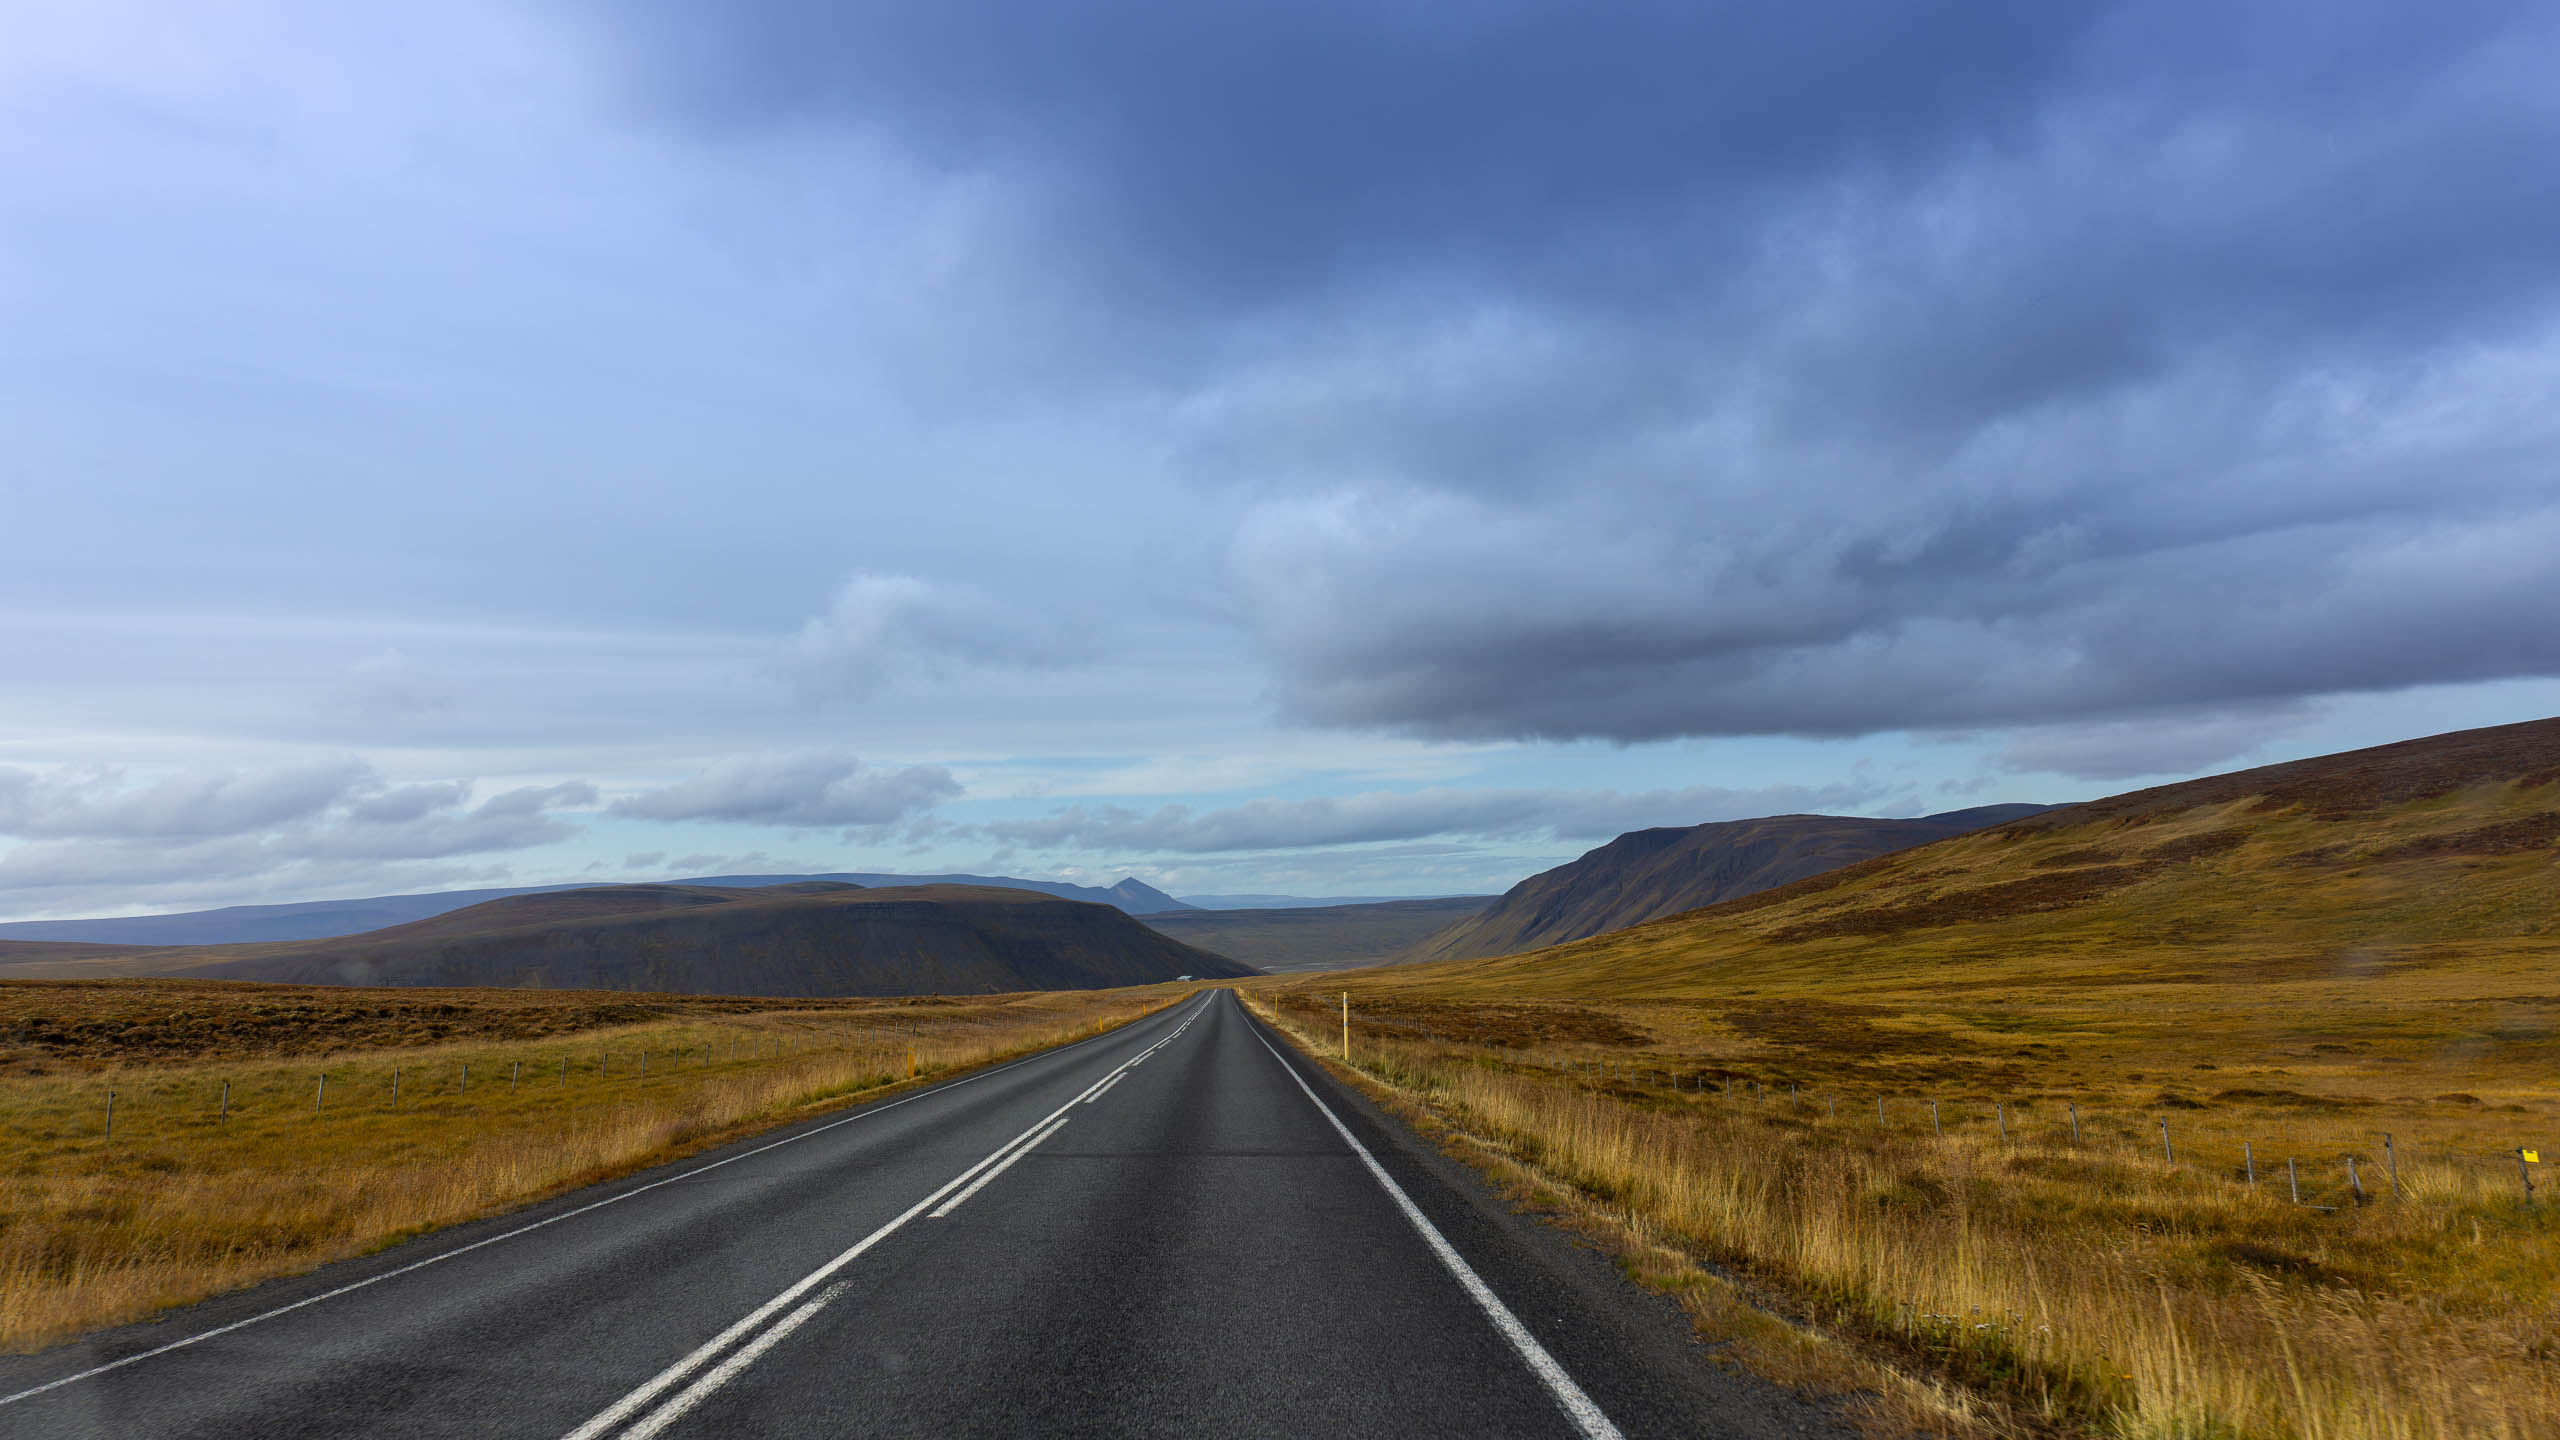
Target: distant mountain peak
<point>1141,898</point>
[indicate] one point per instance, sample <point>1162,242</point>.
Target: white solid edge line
<point>702,1354</point>
<point>864,1113</point>
<point>1025,1148</point>
<point>1578,1407</point>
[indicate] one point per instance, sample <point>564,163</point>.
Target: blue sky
<point>1328,448</point>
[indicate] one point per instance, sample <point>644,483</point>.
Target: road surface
<point>1180,1228</point>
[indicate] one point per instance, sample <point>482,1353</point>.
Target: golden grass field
<point>2300,975</point>
<point>181,1201</point>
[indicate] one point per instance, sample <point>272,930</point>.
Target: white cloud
<point>883,629</point>
<point>1384,815</point>
<point>110,834</point>
<point>104,803</point>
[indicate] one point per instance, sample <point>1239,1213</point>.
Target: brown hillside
<point>1647,874</point>
<point>818,939</point>
<point>2420,854</point>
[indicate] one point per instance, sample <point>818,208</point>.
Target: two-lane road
<point>1180,1228</point>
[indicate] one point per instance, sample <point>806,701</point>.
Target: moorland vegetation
<point>2020,1116</point>
<point>165,1140</point>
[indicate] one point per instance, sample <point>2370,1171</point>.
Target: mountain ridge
<point>2439,855</point>
<point>1646,874</point>
<point>808,938</point>
<point>324,919</point>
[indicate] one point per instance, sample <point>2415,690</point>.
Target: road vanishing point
<point>1177,1228</point>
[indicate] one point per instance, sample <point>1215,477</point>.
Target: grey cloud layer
<point>90,829</point>
<point>801,788</point>
<point>1383,816</point>
<point>1671,372</point>
<point>879,629</point>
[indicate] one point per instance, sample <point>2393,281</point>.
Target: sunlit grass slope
<point>261,1130</point>
<point>1994,1105</point>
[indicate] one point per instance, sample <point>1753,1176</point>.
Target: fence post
<point>110,1132</point>
<point>2523,1170</point>
<point>1833,1100</point>
<point>320,1093</point>
<point>1879,1109</point>
<point>515,1075</point>
<point>1346,1027</point>
<point>2075,1123</point>
<point>2393,1158</point>
<point>2249,1161</point>
<point>2293,1179</point>
<point>226,1099</point>
<point>466,1077</point>
<point>2354,1181</point>
<point>1934,1125</point>
<point>2001,1108</point>
<point>2166,1152</point>
<point>395,1087</point>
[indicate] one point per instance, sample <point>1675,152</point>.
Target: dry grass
<point>180,1202</point>
<point>2300,974</point>
<point>2094,1288</point>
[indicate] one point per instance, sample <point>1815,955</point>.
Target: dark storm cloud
<point>1669,370</point>
<point>1237,154</point>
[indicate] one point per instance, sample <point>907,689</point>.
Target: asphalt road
<point>1178,1229</point>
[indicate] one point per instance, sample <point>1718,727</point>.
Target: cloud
<point>103,803</point>
<point>388,685</point>
<point>2169,744</point>
<point>100,830</point>
<point>1384,816</point>
<point>881,629</point>
<point>804,788</point>
<point>1711,371</point>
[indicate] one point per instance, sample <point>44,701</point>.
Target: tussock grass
<point>179,1203</point>
<point>2298,962</point>
<point>2095,1287</point>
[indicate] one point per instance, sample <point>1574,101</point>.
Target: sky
<point>1313,448</point>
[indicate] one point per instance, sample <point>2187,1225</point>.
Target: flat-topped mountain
<point>320,919</point>
<point>810,938</point>
<point>1647,874</point>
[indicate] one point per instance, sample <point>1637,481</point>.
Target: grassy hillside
<point>2195,1111</point>
<point>804,939</point>
<point>261,1130</point>
<point>1326,937</point>
<point>1647,874</point>
<point>2389,870</point>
